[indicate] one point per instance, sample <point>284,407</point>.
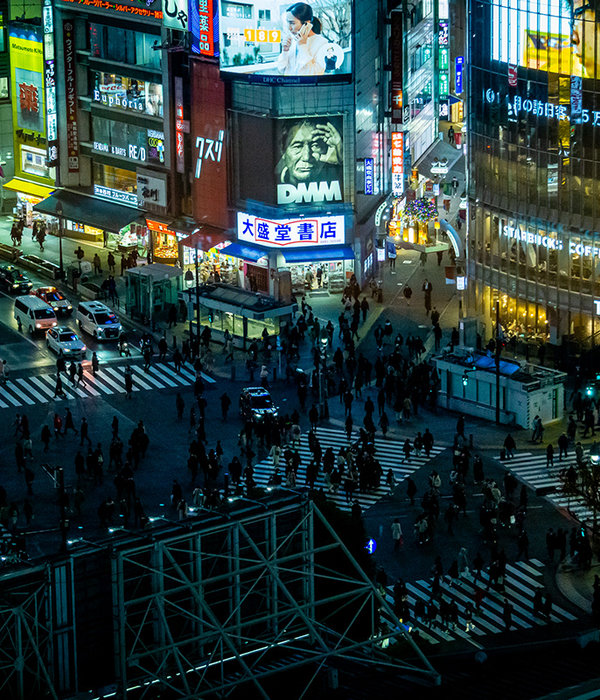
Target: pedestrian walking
<point>83,431</point>
<point>507,612</point>
<point>80,376</point>
<point>523,542</point>
<point>407,293</point>
<point>58,389</point>
<point>128,382</point>
<point>69,423</point>
<point>95,364</point>
<point>411,490</point>
<point>549,456</point>
<point>397,534</point>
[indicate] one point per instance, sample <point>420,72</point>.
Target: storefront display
<point>213,266</point>
<point>330,276</point>
<point>165,247</point>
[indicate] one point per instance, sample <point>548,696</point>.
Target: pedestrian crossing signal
<point>589,390</point>
<point>211,317</point>
<point>465,379</point>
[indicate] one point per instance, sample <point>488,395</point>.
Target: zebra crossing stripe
<point>89,378</point>
<point>2,404</point>
<point>50,382</point>
<point>9,397</point>
<point>521,581</point>
<point>138,380</point>
<point>43,387</point>
<point>162,378</point>
<point>172,373</point>
<point>147,376</point>
<point>532,469</point>
<point>14,388</point>
<point>119,377</point>
<point>111,382</point>
<point>31,390</point>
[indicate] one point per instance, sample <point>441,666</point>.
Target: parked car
<point>63,338</point>
<point>57,300</point>
<point>14,281</point>
<point>256,403</point>
<point>33,315</point>
<point>98,320</point>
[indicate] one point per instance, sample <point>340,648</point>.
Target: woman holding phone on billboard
<point>304,45</point>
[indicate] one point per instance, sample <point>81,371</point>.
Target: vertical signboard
<point>397,46</point>
<point>397,162</point>
<point>459,64</point>
<point>29,103</point>
<point>50,85</point>
<point>71,96</point>
<point>443,65</point>
<point>175,14</point>
<point>179,127</point>
<point>369,175</point>
<point>209,188</point>
<point>202,26</point>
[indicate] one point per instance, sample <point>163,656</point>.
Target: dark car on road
<point>256,403</point>
<point>14,281</point>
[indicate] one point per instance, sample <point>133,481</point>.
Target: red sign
<point>512,75</point>
<point>179,139</point>
<point>28,98</point>
<point>71,96</point>
<point>397,162</point>
<point>209,145</point>
<point>397,65</point>
<point>206,40</point>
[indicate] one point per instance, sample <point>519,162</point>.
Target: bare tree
<point>336,18</point>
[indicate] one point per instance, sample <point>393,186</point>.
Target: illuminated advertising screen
<point>275,41</point>
<point>557,36</point>
<point>28,102</point>
<point>203,25</point>
<point>142,9</point>
<point>130,94</point>
<point>300,159</point>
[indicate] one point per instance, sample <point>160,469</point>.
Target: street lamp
<point>59,214</point>
<point>322,359</point>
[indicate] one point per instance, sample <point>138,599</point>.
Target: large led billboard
<point>556,36</point>
<point>300,159</point>
<point>275,41</point>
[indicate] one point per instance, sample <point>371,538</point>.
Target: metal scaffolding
<point>236,601</point>
<point>26,653</point>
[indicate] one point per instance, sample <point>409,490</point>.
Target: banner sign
<point>71,96</point>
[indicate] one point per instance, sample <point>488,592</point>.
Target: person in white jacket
<point>304,47</point>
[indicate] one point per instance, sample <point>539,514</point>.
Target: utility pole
<point>498,362</point>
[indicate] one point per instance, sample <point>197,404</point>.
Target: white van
<point>34,315</point>
<point>98,320</point>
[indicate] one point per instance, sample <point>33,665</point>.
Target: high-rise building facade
<point>534,168</point>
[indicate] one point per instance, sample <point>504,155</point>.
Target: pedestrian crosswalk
<point>388,452</point>
<point>110,379</point>
<point>522,580</point>
<point>533,470</point>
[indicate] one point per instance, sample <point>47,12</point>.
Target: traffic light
<point>465,379</point>
<point>211,317</point>
<point>589,390</point>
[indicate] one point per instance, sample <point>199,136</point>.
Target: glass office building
<point>534,168</point>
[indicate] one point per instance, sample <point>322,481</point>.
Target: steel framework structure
<point>26,652</point>
<point>200,612</point>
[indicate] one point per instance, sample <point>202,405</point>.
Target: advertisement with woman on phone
<point>288,39</point>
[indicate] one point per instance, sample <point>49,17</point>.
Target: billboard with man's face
<point>286,42</point>
<point>299,159</point>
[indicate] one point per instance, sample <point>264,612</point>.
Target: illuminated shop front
<point>534,169</point>
<point>546,277</point>
<point>312,249</point>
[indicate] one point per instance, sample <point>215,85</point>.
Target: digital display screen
<point>274,41</point>
<point>556,36</point>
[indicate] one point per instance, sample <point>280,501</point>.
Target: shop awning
<point>205,238</point>
<point>245,252</point>
<point>323,254</point>
<point>32,188</point>
<point>88,210</point>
